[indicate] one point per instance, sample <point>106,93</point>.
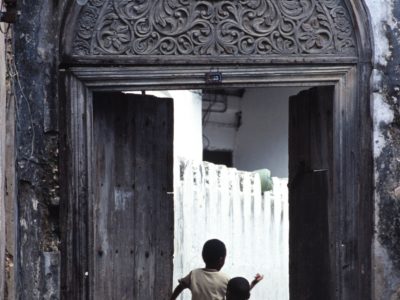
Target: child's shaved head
<point>238,289</point>
<point>213,251</point>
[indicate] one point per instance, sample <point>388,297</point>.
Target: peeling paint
<point>383,288</point>
<point>397,193</point>
<point>35,203</point>
<point>383,114</point>
<point>385,16</point>
<point>381,13</point>
<point>121,196</point>
<point>51,270</point>
<point>23,223</point>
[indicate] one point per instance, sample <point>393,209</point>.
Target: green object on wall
<point>266,180</point>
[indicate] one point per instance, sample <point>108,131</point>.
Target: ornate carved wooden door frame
<point>90,66</point>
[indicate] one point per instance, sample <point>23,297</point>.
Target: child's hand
<point>257,279</point>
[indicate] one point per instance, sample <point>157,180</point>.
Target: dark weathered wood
<point>164,209</point>
<point>351,281</point>
<point>156,77</point>
<point>350,104</point>
<point>311,205</point>
<point>154,60</point>
<point>74,187</point>
<point>347,177</point>
<point>3,165</point>
<point>365,187</point>
<point>356,8</point>
<point>357,22</point>
<point>10,200</point>
<point>132,212</point>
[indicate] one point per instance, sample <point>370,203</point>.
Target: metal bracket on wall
<point>213,77</point>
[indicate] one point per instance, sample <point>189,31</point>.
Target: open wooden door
<point>311,207</point>
<point>131,242</point>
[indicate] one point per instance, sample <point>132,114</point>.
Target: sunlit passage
<point>238,191</point>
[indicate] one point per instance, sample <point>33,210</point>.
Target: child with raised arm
<point>207,283</point>
<point>239,288</point>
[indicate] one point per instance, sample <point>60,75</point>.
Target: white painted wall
<point>262,139</point>
<point>187,126</point>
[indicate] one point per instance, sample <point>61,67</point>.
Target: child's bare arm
<point>256,280</point>
<point>177,291</point>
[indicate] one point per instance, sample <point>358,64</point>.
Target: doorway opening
<point>171,57</point>
<point>250,127</point>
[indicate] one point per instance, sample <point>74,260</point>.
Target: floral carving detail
<point>210,27</point>
<point>116,36</point>
<point>316,35</point>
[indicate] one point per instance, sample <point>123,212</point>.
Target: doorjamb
<point>352,177</point>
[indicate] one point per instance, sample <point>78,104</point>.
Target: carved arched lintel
<point>126,29</point>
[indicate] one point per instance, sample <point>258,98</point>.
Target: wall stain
<point>388,162</point>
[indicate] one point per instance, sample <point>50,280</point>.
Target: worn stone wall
<point>9,190</point>
<point>385,15</point>
<point>34,80</point>
<point>35,83</point>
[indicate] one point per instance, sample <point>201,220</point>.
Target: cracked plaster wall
<point>35,82</point>
<point>385,16</point>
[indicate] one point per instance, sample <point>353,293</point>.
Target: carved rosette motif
<point>214,27</point>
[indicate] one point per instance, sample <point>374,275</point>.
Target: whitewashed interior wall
<point>213,201</point>
<point>264,118</point>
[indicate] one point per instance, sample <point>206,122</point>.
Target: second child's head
<point>214,253</point>
<point>238,289</point>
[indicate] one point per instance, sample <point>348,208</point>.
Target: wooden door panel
<point>311,206</point>
<point>132,243</point>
